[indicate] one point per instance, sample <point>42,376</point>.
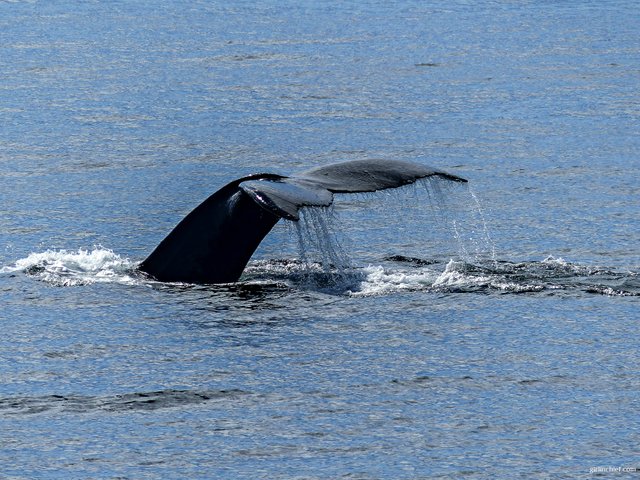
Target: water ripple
<point>24,405</point>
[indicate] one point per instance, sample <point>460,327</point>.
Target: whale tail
<point>214,242</point>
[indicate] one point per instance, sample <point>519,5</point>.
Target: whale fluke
<point>370,175</point>
<point>214,242</point>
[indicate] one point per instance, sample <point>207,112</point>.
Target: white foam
<point>551,260</point>
<point>380,281</point>
<point>562,266</point>
<point>456,277</point>
<point>81,267</point>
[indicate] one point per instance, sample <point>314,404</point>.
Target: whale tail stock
<point>214,242</point>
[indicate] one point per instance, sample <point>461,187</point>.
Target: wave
<point>394,274</point>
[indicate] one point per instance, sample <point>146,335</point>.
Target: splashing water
<point>450,213</point>
<point>461,213</point>
<point>488,240</point>
<point>458,215</point>
<point>321,250</point>
<point>420,219</point>
<point>82,267</point>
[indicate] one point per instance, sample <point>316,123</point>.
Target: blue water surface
<point>480,332</point>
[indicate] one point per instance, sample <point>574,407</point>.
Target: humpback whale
<point>214,242</point>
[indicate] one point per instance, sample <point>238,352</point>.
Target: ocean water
<point>438,331</point>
